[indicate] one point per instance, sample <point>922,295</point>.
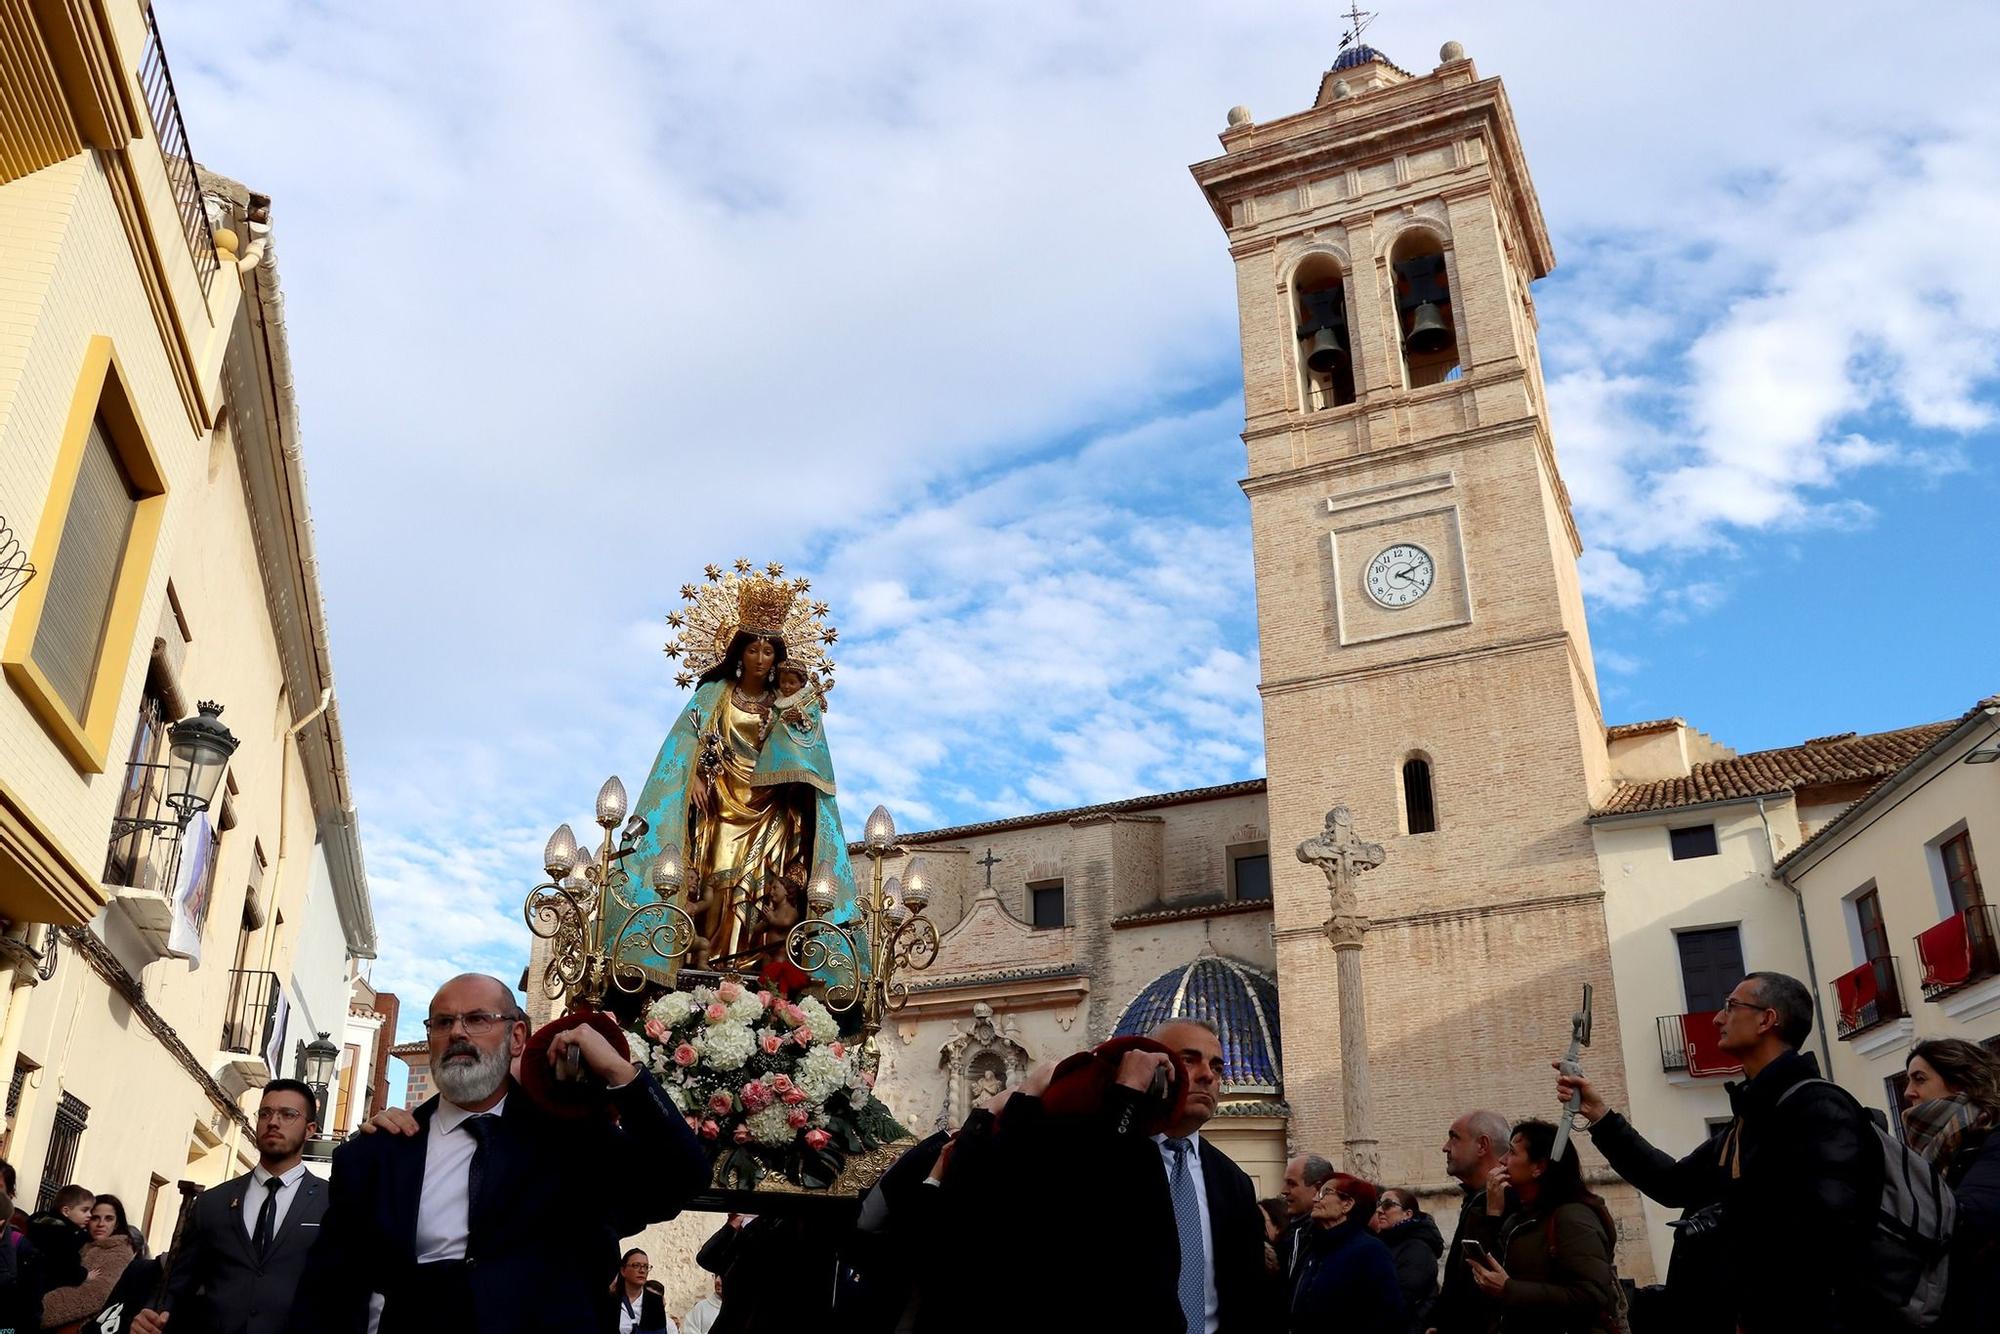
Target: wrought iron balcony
<point>1868,997</point>
<point>1962,949</point>
<point>157,82</point>
<point>252,1012</point>
<point>1689,1045</point>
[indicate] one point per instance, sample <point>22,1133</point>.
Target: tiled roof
<point>1146,803</point>
<point>1641,729</point>
<point>1211,908</point>
<point>1241,1002</point>
<point>1823,763</point>
<point>1006,975</point>
<point>1255,1107</point>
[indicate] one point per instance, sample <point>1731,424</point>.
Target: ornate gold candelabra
<point>890,935</point>
<point>584,892</point>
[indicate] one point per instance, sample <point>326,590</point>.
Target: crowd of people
<point>1085,1197</point>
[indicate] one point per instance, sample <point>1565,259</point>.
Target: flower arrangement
<point>767,1082</point>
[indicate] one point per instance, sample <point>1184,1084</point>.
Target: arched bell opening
<point>1424,311</point>
<point>1326,361</point>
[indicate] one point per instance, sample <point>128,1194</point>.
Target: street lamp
<point>316,1064</point>
<point>198,750</point>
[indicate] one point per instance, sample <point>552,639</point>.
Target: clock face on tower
<point>1400,574</point>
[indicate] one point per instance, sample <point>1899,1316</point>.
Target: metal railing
<point>1868,997</point>
<point>1962,949</point>
<point>157,82</point>
<point>252,1012</point>
<point>1688,1045</point>
<point>144,852</point>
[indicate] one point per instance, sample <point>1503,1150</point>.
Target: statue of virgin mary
<point>743,788</point>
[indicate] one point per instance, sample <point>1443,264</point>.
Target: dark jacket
<point>59,1242</point>
<point>778,1273</point>
<point>20,1284</point>
<point>1798,1206</point>
<point>1348,1284</point>
<point>1972,1292</point>
<point>1560,1278</point>
<point>1459,1309</point>
<point>557,1196</point>
<point>218,1285</point>
<point>652,1311</point>
<point>1414,1244</point>
<point>1094,1207</point>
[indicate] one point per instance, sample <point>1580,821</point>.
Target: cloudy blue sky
<point>919,299</point>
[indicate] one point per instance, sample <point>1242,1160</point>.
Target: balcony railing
<point>1689,1045</point>
<point>157,81</point>
<point>1962,949</point>
<point>1867,997</point>
<point>253,1010</point>
<point>145,843</point>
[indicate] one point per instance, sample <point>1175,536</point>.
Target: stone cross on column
<point>1341,857</point>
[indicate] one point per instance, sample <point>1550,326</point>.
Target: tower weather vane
<point>1357,19</point>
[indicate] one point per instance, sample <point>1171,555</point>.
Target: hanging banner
<point>274,1049</point>
<point>191,890</point>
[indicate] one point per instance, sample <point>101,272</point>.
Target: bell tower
<point>1425,657</point>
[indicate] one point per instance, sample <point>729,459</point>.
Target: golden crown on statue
<point>759,602</point>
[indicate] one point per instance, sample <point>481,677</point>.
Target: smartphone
<point>1473,1252</point>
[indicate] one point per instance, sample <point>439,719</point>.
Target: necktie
<point>1187,1220</point>
<point>267,1217</point>
<point>480,1128</point>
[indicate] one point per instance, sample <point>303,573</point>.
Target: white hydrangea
<point>825,1028</point>
<point>857,1092</point>
<point>671,1008</point>
<point>746,1009</point>
<point>663,1061</point>
<point>642,1050</point>
<point>704,997</point>
<point>822,1074</point>
<point>676,1097</point>
<point>726,1046</point>
<point>770,1126</point>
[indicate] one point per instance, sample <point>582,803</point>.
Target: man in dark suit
<point>482,1212</point>
<point>237,1265</point>
<point>1156,1234</point>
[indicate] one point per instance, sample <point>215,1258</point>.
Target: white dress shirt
<point>701,1316</point>
<point>445,1207</point>
<point>253,1199</point>
<point>1211,1305</point>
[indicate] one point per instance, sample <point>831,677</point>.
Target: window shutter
<point>70,636</point>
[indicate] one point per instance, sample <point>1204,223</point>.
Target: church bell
<point>1325,351</point>
<point>1428,331</point>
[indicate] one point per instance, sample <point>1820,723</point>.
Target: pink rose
<point>765,998</point>
<point>817,1138</point>
<point>722,1104</point>
<point>685,1055</point>
<point>694,1122</point>
<point>656,1030</point>
<point>709,1130</point>
<point>742,1135</point>
<point>717,1012</point>
<point>794,1015</point>
<point>795,1097</point>
<point>756,1097</point>
<point>729,992</point>
<point>781,1083</point>
<point>797,1118</point>
<point>803,1036</point>
<point>770,1043</point>
<point>839,1051</point>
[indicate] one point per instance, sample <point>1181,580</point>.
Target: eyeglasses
<point>284,1114</point>
<point>478,1023</point>
<point>1384,1206</point>
<point>1733,1004</point>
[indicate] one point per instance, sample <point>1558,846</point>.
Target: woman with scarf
<point>1951,1115</point>
<point>1548,1265</point>
<point>105,1257</point>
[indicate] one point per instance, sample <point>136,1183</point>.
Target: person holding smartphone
<point>1548,1270</point>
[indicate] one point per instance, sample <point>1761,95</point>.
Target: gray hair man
<point>1304,1175</point>
<point>1473,1147</point>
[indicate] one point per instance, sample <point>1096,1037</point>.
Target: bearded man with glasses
<point>238,1264</point>
<point>482,1212</point>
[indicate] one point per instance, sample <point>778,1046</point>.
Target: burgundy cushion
<point>1082,1082</point>
<point>570,1099</point>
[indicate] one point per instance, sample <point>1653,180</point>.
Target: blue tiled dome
<point>1241,1002</point>
<point>1360,55</point>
